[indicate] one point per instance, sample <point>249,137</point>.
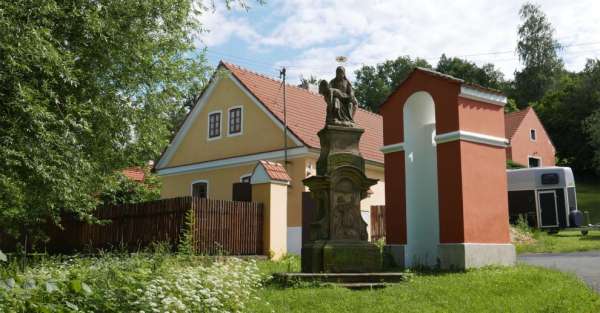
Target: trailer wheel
<point>584,232</point>
<point>552,231</point>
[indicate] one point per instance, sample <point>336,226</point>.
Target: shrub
<point>510,164</point>
<point>137,283</point>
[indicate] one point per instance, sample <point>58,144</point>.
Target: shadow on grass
<point>590,237</point>
<point>279,282</point>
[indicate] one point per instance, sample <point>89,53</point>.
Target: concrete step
<point>341,278</point>
<point>363,286</point>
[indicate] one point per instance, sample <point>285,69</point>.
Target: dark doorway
<point>548,208</point>
<point>241,192</point>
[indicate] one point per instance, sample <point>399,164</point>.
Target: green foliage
<point>592,129</point>
<point>87,88</point>
<point>564,241</point>
<point>492,289</point>
<point>138,283</point>
<point>486,75</point>
<point>119,189</point>
<point>588,197</point>
<point>522,225</point>
<point>510,164</point>
<point>537,49</point>
<point>306,82</point>
<point>186,245</point>
<point>375,83</point>
<point>564,110</point>
<point>511,106</point>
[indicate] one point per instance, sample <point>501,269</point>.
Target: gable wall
<point>521,146</point>
<point>259,132</point>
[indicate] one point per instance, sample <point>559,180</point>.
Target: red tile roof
<point>276,171</point>
<point>513,120</point>
<point>306,111</point>
<point>134,173</point>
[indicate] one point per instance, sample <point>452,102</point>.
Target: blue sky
<point>307,35</point>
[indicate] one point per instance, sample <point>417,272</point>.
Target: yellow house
<point>237,121</point>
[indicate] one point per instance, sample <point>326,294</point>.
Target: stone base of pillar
<point>394,256</point>
<point>341,257</point>
<point>474,255</point>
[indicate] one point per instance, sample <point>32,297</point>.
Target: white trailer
<point>546,196</point>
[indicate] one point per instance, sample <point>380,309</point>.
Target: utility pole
<point>285,152</point>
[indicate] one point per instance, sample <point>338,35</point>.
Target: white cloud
<point>221,25</point>
<point>367,32</point>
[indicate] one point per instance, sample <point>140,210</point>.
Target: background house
<point>238,121</point>
<point>529,143</point>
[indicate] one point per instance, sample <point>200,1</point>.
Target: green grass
<point>588,198</point>
<point>564,241</point>
<point>518,289</point>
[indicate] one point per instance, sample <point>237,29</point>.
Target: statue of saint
<point>339,96</point>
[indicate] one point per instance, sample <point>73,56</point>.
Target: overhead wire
<point>274,67</point>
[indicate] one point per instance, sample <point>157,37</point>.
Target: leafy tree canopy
<point>537,50</point>
<point>374,83</point>
<point>592,129</point>
<point>486,75</point>
<point>87,87</point>
<point>120,189</point>
<point>564,110</point>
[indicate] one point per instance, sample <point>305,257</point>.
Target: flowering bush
<point>140,283</point>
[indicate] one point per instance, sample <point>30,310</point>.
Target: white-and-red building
<point>529,143</point>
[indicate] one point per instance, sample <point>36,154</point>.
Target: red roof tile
<point>276,171</point>
<point>306,111</point>
<point>134,173</point>
<point>513,120</point>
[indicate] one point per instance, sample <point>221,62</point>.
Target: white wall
<point>422,212</point>
<point>294,240</point>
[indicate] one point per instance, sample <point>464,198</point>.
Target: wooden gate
<point>227,227</point>
<point>377,222</point>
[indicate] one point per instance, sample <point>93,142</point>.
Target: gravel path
<point>586,265</point>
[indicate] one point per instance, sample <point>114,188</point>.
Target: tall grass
<point>120,282</point>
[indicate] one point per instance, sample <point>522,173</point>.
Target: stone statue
<point>346,222</point>
<point>339,96</point>
<point>337,234</point>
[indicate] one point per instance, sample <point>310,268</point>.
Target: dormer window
<point>532,135</point>
<point>214,125</point>
<point>235,121</point>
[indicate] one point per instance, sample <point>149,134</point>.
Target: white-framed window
<point>534,161</point>
<point>199,188</point>
<point>214,125</point>
<point>246,178</point>
<point>236,121</point>
<point>532,134</point>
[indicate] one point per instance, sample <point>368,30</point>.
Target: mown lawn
<point>588,198</point>
<point>519,289</point>
<point>564,241</point>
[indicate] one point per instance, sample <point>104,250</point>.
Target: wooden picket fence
<point>228,227</point>
<point>377,222</point>
<point>217,226</point>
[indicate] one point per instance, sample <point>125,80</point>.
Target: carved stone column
<point>338,240</point>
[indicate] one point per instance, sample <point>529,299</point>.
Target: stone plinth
<point>338,239</point>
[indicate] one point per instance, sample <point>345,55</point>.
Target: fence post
<point>272,194</point>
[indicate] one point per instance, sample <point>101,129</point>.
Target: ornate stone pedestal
<point>338,235</point>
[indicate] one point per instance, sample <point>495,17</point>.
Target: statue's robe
<point>343,101</point>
